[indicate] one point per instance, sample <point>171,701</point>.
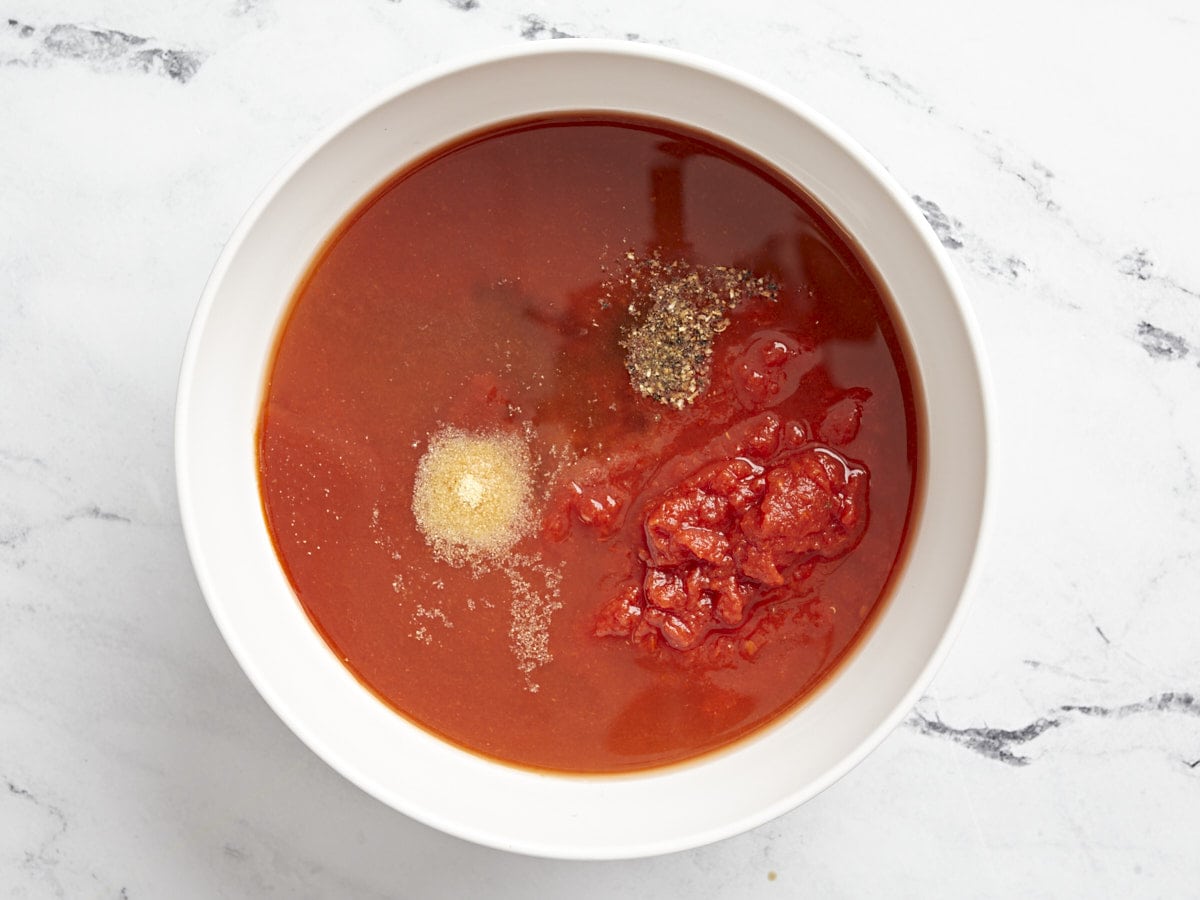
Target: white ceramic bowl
<point>540,813</point>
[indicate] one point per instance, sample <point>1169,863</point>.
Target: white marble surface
<point>1052,144</point>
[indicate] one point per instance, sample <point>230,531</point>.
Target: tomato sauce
<point>699,570</point>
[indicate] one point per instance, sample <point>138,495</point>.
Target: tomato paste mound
<point>589,443</point>
<point>755,520</point>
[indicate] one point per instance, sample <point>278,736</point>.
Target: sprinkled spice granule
<point>472,500</point>
<point>471,496</point>
<point>668,347</point>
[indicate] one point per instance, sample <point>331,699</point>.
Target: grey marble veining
<point>1052,150</point>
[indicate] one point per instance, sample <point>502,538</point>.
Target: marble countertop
<point>1052,147</point>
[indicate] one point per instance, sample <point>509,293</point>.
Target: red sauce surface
<point>716,562</point>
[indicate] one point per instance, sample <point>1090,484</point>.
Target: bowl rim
<point>846,144</point>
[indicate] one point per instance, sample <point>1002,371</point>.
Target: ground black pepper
<point>678,312</point>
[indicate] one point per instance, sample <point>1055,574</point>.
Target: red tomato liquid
<point>466,292</point>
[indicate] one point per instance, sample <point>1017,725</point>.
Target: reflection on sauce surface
<point>486,291</point>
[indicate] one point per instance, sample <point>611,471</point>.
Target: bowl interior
<point>608,816</point>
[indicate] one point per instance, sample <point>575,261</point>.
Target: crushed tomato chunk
<point>734,530</point>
